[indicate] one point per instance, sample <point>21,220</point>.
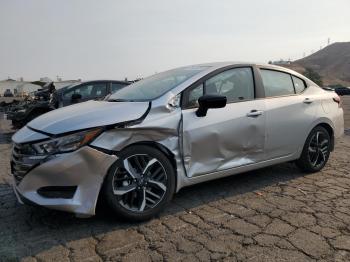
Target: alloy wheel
<point>140,184</point>
<point>318,149</point>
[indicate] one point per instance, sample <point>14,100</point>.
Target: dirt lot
<point>273,214</point>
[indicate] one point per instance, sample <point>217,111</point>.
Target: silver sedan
<point>174,129</point>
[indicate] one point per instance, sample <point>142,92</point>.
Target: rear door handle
<point>307,101</point>
<point>255,113</point>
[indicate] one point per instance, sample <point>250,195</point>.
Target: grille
<point>23,160</point>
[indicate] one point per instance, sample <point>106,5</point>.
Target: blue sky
<point>117,39</point>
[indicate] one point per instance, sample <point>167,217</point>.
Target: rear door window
<point>98,90</point>
<point>83,90</point>
<point>87,91</point>
<point>277,83</point>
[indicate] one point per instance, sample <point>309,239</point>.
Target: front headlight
<point>67,143</point>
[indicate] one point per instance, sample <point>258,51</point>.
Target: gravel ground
<point>273,214</point>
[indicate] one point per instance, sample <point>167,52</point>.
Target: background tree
<point>313,76</point>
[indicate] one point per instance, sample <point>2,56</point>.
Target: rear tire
<point>316,151</point>
<point>140,183</point>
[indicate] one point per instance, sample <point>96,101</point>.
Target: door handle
<point>255,113</point>
<point>307,101</point>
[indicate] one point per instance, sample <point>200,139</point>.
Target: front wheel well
<point>161,148</point>
<point>100,203</point>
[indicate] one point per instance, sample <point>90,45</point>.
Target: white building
<point>282,62</point>
<point>18,88</point>
<point>22,88</point>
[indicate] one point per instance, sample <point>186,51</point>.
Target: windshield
<point>157,85</point>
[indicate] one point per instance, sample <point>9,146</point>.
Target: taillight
<point>337,99</point>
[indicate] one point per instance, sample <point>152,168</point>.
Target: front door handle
<point>255,113</point>
<point>308,101</point>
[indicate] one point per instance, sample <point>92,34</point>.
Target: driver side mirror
<point>210,101</point>
<point>76,97</point>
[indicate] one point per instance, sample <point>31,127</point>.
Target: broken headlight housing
<point>65,144</point>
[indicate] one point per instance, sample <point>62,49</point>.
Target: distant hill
<point>331,62</point>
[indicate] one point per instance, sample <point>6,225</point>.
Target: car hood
<point>88,115</point>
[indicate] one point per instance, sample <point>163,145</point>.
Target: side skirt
<point>233,171</point>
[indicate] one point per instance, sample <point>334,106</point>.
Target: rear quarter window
<point>299,84</point>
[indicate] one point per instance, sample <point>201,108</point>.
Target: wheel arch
<point>162,148</point>
<point>326,124</point>
<point>330,131</point>
<point>166,151</point>
<point>323,122</point>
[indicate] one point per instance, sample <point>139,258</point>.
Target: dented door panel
<point>225,138</point>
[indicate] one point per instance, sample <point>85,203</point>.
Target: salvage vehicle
<point>48,99</point>
<point>171,130</point>
<point>35,104</point>
<point>8,93</point>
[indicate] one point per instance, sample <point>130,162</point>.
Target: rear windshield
<point>156,85</point>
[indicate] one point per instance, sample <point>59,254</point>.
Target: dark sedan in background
<point>90,90</point>
<point>49,99</point>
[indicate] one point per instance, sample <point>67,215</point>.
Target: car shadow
<point>26,231</point>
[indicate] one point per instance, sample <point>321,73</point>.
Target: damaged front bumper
<point>67,182</point>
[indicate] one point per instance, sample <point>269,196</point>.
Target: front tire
<point>140,183</point>
<point>316,151</point>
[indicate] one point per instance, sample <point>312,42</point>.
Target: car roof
<point>217,65</point>
<point>238,63</point>
<point>91,81</point>
<point>105,80</point>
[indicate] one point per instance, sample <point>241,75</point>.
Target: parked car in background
<point>48,99</point>
<point>174,129</point>
<point>342,91</point>
<point>8,93</point>
<point>90,90</point>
